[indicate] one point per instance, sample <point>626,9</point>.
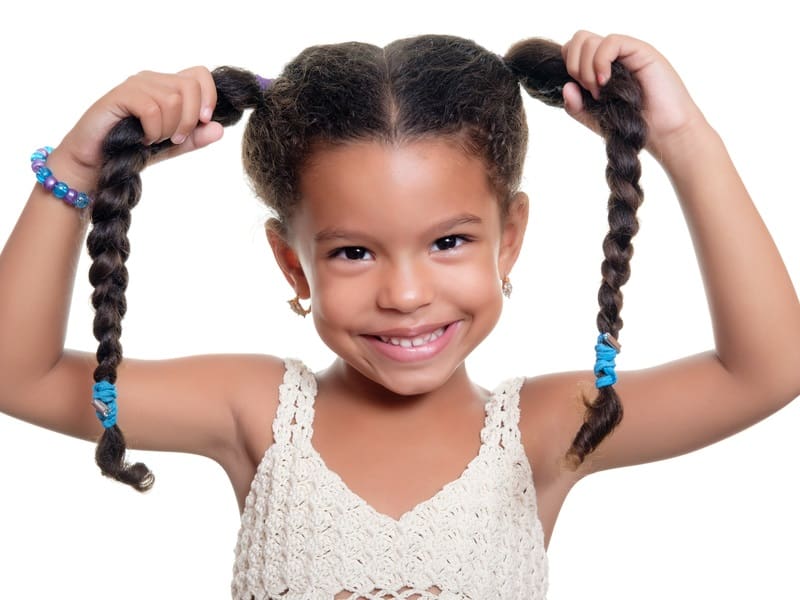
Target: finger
<point>138,97</point>
<point>633,54</point>
<point>156,99</point>
<point>201,136</point>
<point>171,101</point>
<point>587,76</point>
<point>179,98</point>
<point>573,104</point>
<point>573,100</point>
<point>606,53</point>
<point>190,102</point>
<point>571,53</point>
<point>577,54</point>
<point>208,91</point>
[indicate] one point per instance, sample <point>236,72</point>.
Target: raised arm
<point>754,369</point>
<point>175,405</point>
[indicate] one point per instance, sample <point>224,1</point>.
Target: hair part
<point>413,89</point>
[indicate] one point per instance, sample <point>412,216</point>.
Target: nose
<point>405,286</point>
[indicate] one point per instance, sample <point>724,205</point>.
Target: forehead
<point>374,183</point>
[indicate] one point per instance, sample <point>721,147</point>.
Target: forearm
<point>754,307</point>
<point>37,271</point>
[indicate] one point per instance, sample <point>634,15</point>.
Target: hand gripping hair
<point>618,113</point>
<point>118,191</point>
<point>416,88</point>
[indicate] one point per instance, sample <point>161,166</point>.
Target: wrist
<point>52,184</point>
<point>69,168</point>
<point>683,144</point>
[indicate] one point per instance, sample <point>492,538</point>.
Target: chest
<point>394,469</point>
<point>310,531</point>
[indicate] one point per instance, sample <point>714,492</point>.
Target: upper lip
<point>410,332</point>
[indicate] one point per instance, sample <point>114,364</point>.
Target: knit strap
<point>502,415</point>
<point>293,419</point>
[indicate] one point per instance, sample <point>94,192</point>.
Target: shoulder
<point>255,383</point>
<point>551,412</point>
<point>233,395</point>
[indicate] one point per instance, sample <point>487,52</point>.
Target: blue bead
<point>82,201</point>
<point>49,149</point>
<point>43,174</point>
<point>60,190</point>
<point>38,156</point>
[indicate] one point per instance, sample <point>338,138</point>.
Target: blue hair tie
<point>104,400</point>
<point>606,350</point>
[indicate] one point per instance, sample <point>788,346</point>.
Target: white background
<point>722,522</point>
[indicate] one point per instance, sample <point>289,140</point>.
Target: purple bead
<point>37,164</point>
<point>71,197</point>
<point>50,183</point>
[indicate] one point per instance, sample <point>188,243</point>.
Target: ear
<point>514,224</point>
<point>287,258</point>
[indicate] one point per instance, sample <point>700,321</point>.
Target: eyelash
<point>456,240</point>
<point>342,252</point>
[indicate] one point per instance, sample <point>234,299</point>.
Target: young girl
<point>394,176</point>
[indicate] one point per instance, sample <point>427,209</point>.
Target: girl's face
<point>402,249</point>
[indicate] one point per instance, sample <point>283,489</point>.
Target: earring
<point>507,287</point>
<point>295,305</point>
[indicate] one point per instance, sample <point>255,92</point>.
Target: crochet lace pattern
<point>306,536</point>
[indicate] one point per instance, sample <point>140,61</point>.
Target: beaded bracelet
<point>59,189</point>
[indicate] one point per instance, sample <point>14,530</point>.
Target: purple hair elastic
<point>263,82</point>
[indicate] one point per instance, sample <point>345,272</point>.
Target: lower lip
<point>415,353</point>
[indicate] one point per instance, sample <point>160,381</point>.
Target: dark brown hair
<point>416,88</point>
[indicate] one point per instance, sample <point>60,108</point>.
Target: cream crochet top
<point>306,535</point>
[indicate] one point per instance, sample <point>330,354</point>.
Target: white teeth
<point>420,340</point>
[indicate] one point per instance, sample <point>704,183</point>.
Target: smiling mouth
<point>419,345</point>
<point>412,342</point>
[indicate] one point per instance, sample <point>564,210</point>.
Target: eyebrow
<point>338,233</point>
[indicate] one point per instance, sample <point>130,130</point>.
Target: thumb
<point>573,104</point>
<point>203,135</point>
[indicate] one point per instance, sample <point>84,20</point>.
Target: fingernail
<point>178,138</point>
<point>601,79</point>
<point>205,114</point>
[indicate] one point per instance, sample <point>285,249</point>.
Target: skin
<point>669,409</point>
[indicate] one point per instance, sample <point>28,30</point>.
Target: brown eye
<point>449,242</point>
<point>352,253</point>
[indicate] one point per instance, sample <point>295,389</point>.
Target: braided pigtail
<point>119,188</point>
<point>541,70</point>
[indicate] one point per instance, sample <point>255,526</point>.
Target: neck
<point>351,386</point>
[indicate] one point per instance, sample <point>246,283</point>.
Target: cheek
<point>477,287</point>
<point>336,299</point>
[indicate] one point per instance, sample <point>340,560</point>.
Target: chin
<point>409,387</point>
<point>411,382</point>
